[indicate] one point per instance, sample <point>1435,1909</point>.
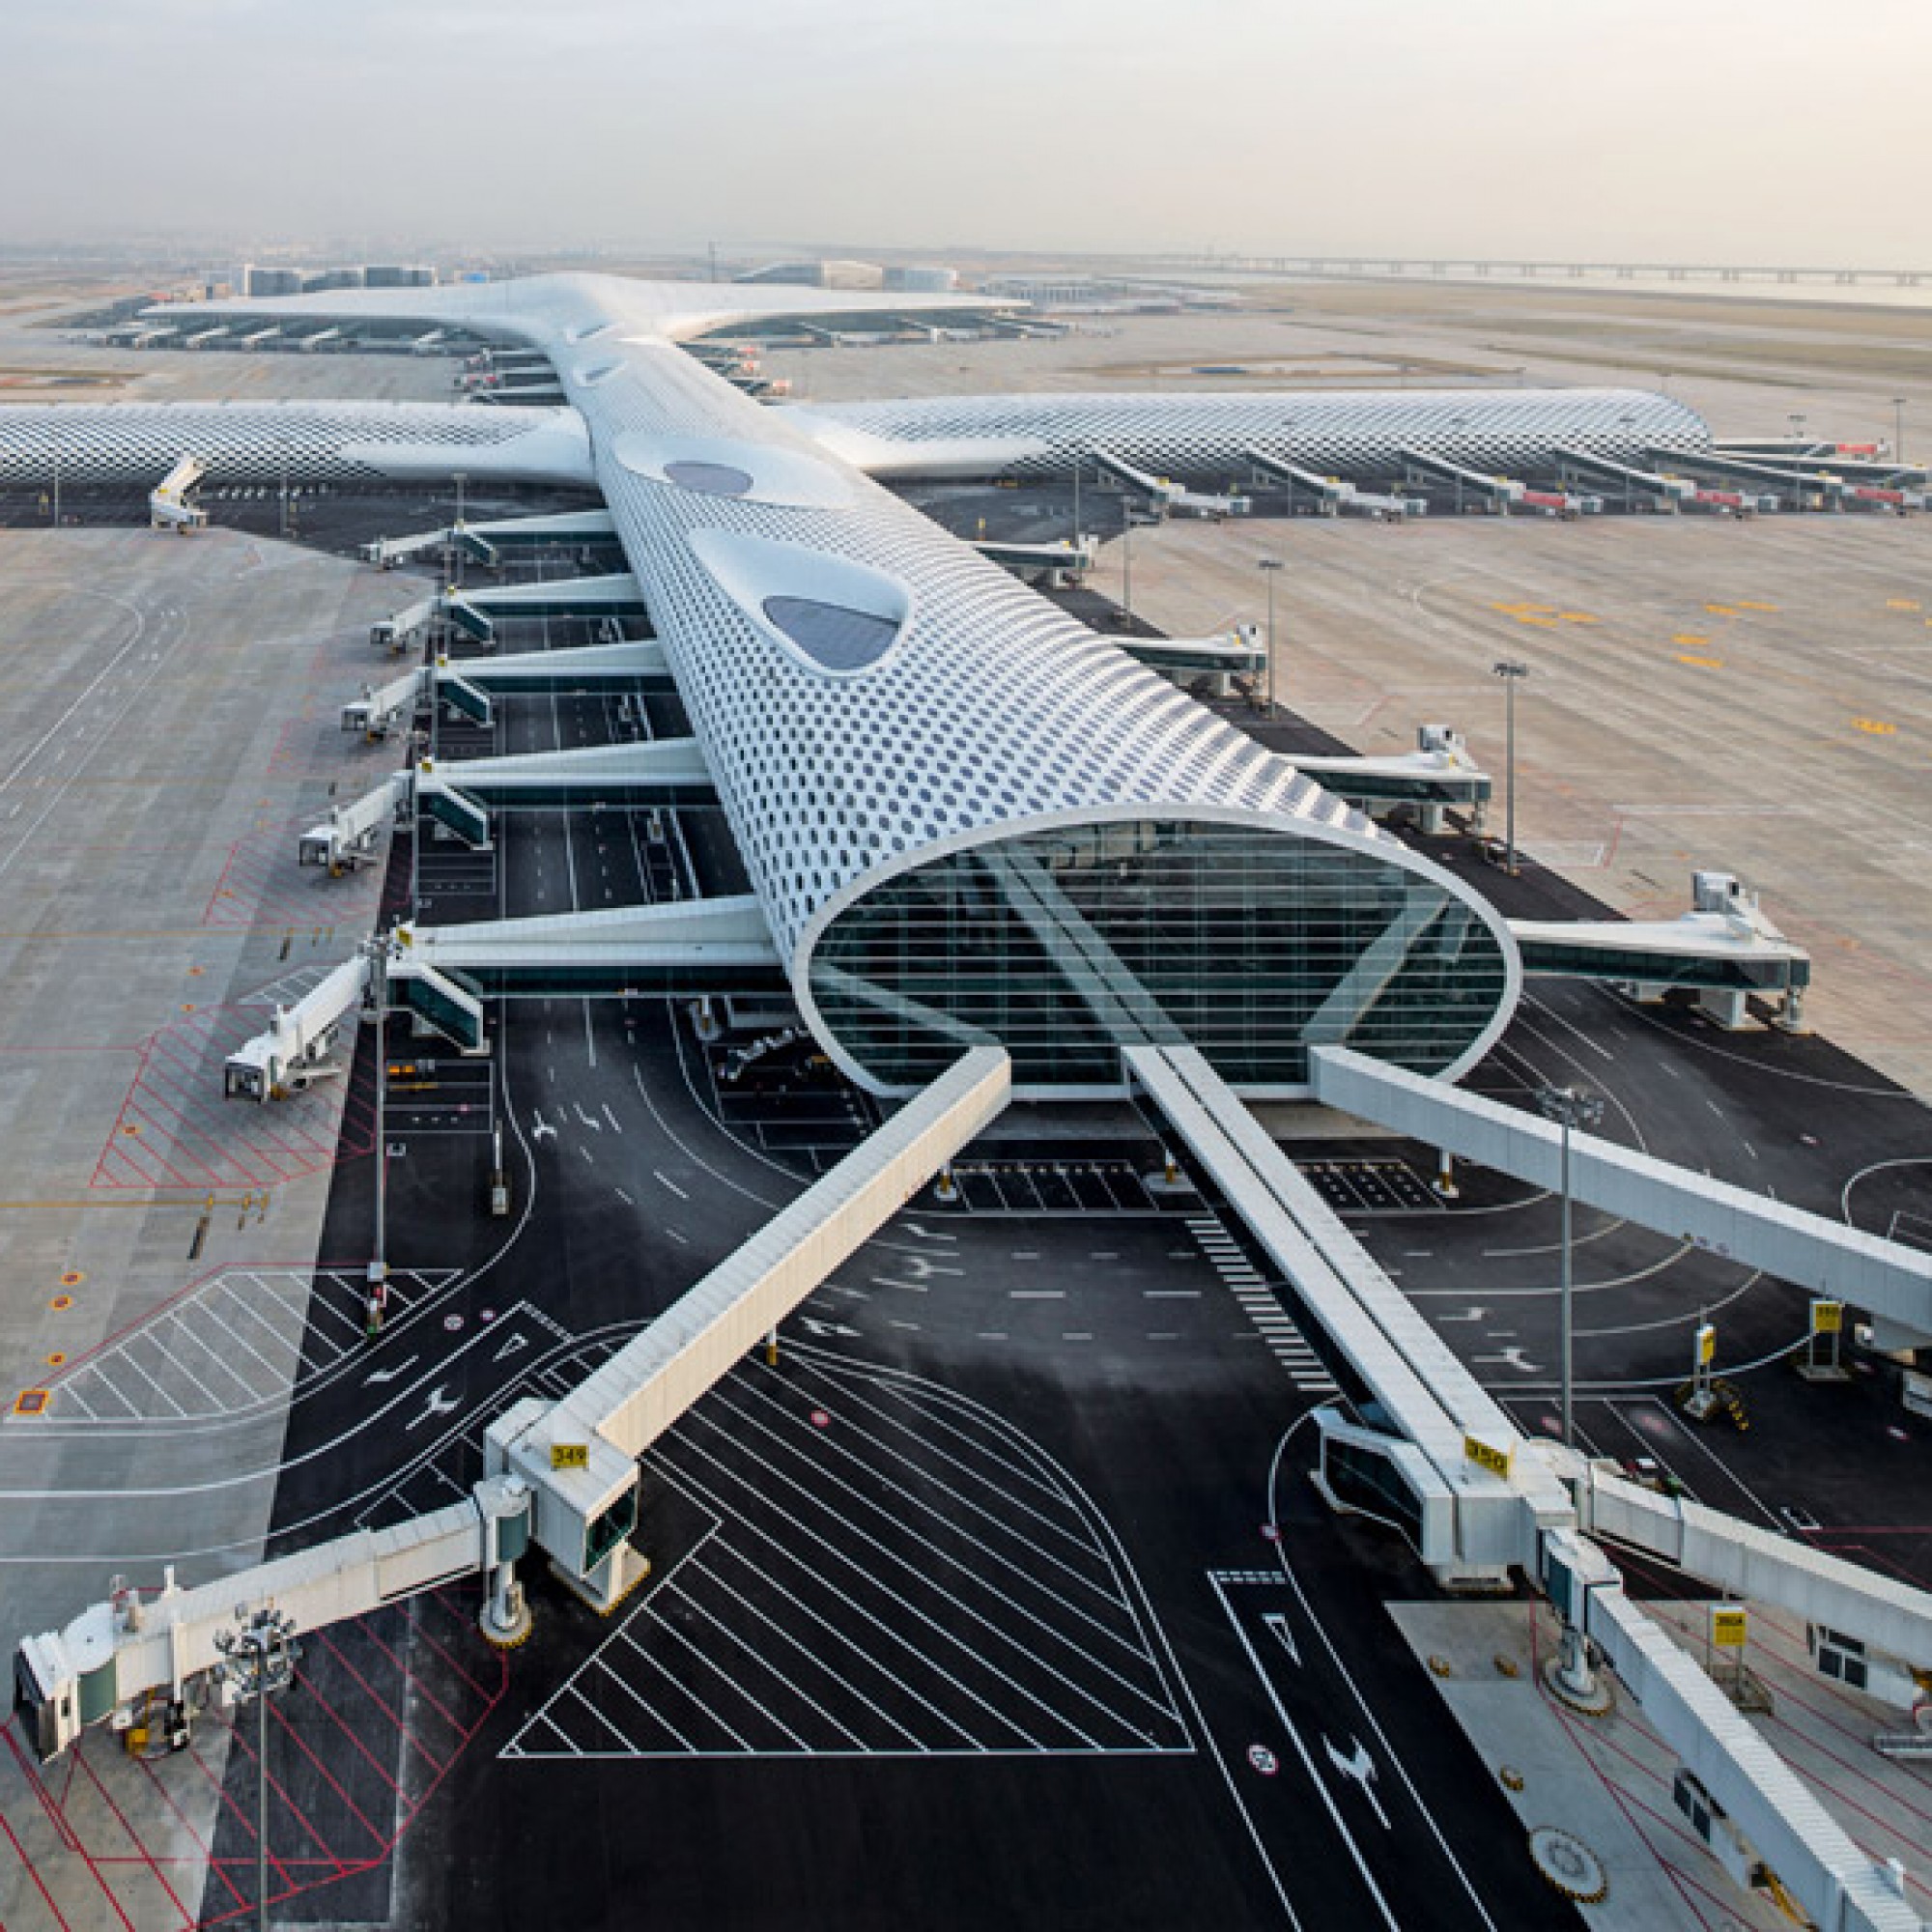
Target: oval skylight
<point>710,479</point>
<point>835,636</point>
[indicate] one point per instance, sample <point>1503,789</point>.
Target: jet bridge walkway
<point>479,612</point>
<point>562,1475</point>
<point>680,949</point>
<point>1332,496</point>
<point>667,772</point>
<point>1437,774</point>
<point>1724,949</point>
<point>1435,1457</point>
<point>1890,1282</point>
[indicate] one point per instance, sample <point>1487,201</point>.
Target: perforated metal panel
<point>1353,434</point>
<point>137,444</point>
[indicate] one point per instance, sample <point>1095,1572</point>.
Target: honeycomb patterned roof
<point>1355,434</point>
<point>257,442</point>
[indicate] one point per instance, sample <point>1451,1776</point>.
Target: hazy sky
<point>1766,129</point>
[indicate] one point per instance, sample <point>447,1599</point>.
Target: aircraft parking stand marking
<point>240,1341</point>
<point>912,1580</point>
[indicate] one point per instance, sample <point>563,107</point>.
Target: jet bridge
<point>383,707</point>
<point>1166,494</point>
<point>119,1655</point>
<point>1437,774</point>
<point>1724,949</point>
<point>668,772</point>
<point>580,1455</point>
<point>169,506</point>
<point>1498,494</point>
<point>1331,494</point>
<point>344,841</point>
<point>1668,493</point>
<point>481,610</point>
<point>1436,1459</point>
<point>385,552</point>
<point>1892,1283</point>
<point>396,634</point>
<point>562,1474</point>
<point>1764,1809</point>
<point>1801,488</point>
<point>299,1046</point>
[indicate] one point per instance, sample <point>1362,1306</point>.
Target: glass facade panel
<point>1251,945</point>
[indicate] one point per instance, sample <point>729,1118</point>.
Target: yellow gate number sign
<point>570,1455</point>
<point>1729,1626</point>
<point>1498,1462</point>
<point>1828,1318</point>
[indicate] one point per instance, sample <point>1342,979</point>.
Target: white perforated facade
<point>980,714</point>
<point>1356,434</point>
<point>137,444</point>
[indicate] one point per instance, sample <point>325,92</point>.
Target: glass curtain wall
<point>1250,945</point>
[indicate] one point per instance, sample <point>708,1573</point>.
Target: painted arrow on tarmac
<point>542,1130</point>
<point>819,1327</point>
<point>1362,1767</point>
<point>390,1375</point>
<point>1277,1626</point>
<point>511,1347</point>
<point>439,1405</point>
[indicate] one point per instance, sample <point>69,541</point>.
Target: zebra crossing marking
<point>1261,1305</point>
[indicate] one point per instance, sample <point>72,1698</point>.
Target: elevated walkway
<point>1240,650</point>
<point>1651,486</point>
<point>1330,495</point>
<point>1467,1519</point>
<point>1739,1559</point>
<point>487,542</point>
<point>479,612</point>
<point>1436,775</point>
<point>1724,949</point>
<point>587,1497</point>
<point>669,772</point>
<point>682,949</point>
<point>1890,1282</point>
<point>1793,486</point>
<point>416,986</point>
<point>1832,1882</point>
<point>1501,494</point>
<point>344,841</point>
<point>1058,562</point>
<point>469,684</point>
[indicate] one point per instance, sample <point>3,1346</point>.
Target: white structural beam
<point>640,657</point>
<point>1814,1857</point>
<point>718,933</point>
<point>117,1653</point>
<point>1743,1560</point>
<point>1476,1522</point>
<point>1891,1282</point>
<point>654,763</point>
<point>580,1454</point>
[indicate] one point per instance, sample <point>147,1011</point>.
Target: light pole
<point>1571,1108</point>
<point>1512,674</point>
<point>282,465</point>
<point>1076,503</point>
<point>456,560</point>
<point>259,1660</point>
<point>1127,561</point>
<point>57,454</point>
<point>1269,566</point>
<point>1899,429</point>
<point>379,1265</point>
